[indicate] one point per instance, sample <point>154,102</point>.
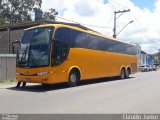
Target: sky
<point>149,4</point>
<point>99,16</point>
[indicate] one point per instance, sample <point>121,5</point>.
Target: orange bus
<point>63,52</point>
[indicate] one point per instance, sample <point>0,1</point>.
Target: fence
<point>7,66</point>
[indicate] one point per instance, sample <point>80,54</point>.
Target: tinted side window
<point>83,40</point>
<point>103,44</point>
<point>115,46</point>
<point>119,47</point>
<point>78,39</point>
<point>63,35</point>
<point>130,49</point>
<point>92,42</point>
<point>133,50</point>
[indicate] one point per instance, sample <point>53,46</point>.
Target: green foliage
<point>40,15</point>
<point>17,11</point>
<point>50,14</point>
<point>7,81</point>
<point>2,21</point>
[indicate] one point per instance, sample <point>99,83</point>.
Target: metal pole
<point>114,29</point>
<point>124,27</point>
<point>9,30</point>
<point>9,39</point>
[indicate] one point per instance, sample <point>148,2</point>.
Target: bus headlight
<point>17,73</point>
<point>42,73</point>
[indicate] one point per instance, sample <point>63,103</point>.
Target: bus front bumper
<point>32,79</point>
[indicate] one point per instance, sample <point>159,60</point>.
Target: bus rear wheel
<point>123,74</point>
<point>74,78</point>
<point>127,73</point>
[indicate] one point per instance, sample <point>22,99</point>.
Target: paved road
<point>139,94</point>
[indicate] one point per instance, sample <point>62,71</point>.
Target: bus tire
<point>18,84</point>
<point>74,78</point>
<point>127,73</point>
<point>122,74</point>
<point>23,84</point>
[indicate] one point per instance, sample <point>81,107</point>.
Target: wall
<point>143,59</point>
<point>146,59</point>
<point>150,60</point>
<point>7,66</point>
<point>4,40</point>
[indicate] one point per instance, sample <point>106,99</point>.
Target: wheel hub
<point>73,78</point>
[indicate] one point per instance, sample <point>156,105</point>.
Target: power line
<point>138,23</point>
<point>120,5</point>
<point>109,4</point>
<point>142,28</point>
<point>83,23</point>
<point>114,4</point>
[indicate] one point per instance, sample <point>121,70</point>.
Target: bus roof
<point>51,23</point>
<point>78,27</point>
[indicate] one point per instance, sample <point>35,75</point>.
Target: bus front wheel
<point>74,78</point>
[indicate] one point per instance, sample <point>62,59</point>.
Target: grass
<point>7,81</point>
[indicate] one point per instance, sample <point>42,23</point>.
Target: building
<point>9,34</point>
<point>146,59</point>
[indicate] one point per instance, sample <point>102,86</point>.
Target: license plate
<point>27,79</point>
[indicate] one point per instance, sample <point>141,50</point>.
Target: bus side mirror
<point>13,45</point>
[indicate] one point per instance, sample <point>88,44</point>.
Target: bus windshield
<point>35,48</point>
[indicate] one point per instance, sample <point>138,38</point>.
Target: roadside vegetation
<point>7,81</point>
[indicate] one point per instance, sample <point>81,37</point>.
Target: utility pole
<point>9,31</point>
<point>115,18</point>
<point>159,57</point>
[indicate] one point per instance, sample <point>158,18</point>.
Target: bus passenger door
<point>57,59</point>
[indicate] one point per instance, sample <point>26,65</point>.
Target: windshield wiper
<point>24,54</point>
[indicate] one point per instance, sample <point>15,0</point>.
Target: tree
<point>38,14</point>
<point>50,14</point>
<point>2,21</point>
<point>16,11</point>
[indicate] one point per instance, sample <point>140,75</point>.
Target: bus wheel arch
<point>74,76</point>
